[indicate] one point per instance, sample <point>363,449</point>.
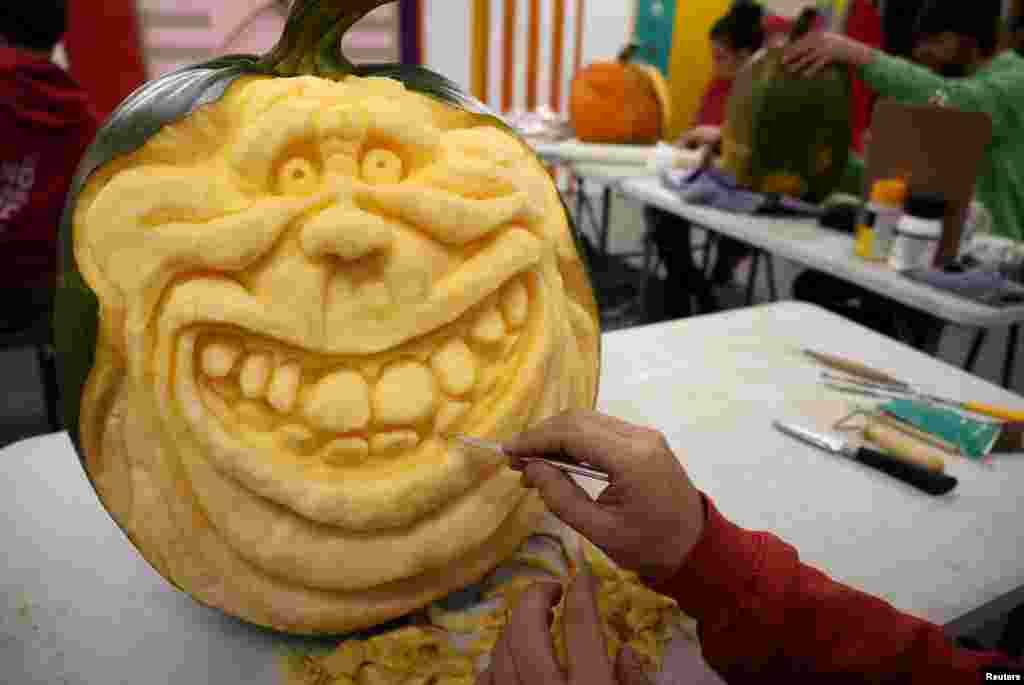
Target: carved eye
<point>298,176</point>
<point>382,166</point>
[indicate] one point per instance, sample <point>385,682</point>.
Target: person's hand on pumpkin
<point>648,518</point>
<point>818,49</point>
<point>699,136</point>
<point>525,654</point>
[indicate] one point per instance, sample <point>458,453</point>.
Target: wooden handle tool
<point>903,446</point>
<point>855,368</point>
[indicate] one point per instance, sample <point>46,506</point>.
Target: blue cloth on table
<point>711,187</point>
<point>986,287</point>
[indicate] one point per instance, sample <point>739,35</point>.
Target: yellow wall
<point>690,63</point>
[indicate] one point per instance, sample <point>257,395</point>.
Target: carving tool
<point>890,391</point>
<point>495,448</point>
<point>855,368</point>
<point>931,482</point>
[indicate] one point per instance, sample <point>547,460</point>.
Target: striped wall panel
<point>525,52</point>
<point>182,32</point>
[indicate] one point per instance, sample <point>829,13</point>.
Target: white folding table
<point>804,242</point>
<point>78,605</point>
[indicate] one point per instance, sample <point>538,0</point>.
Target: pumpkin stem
<point>311,42</point>
<point>629,51</point>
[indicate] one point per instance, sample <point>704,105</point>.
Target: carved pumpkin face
<point>302,288</point>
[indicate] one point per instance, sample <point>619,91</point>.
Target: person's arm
<point>1000,95</point>
<point>763,615</point>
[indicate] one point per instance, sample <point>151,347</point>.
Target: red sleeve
<point>712,106</point>
<point>864,25</point>
<point>764,615</point>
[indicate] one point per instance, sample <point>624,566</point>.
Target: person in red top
<point>763,615</point>
<point>46,123</point>
<point>734,38</point>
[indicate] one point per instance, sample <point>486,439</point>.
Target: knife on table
<point>932,482</point>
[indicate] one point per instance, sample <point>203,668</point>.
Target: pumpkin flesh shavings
<point>630,615</point>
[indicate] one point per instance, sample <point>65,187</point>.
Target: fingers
<point>580,436</point>
<point>629,670</point>
<point>486,678</point>
<point>570,502</point>
<point>503,667</point>
<point>529,630</point>
<point>584,640</point>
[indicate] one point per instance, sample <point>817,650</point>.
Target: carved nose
<point>347,233</point>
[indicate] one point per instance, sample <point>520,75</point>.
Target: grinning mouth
<point>346,412</point>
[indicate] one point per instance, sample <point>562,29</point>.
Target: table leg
<point>51,391</point>
<point>578,182</point>
<point>606,216</point>
<point>769,264</point>
<point>710,245</point>
<point>972,355</point>
<point>752,278</point>
<point>1011,355</point>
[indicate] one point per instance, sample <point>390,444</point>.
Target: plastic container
<point>918,233</point>
<point>865,245</point>
<point>887,199</point>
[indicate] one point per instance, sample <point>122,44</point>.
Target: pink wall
<point>182,32</point>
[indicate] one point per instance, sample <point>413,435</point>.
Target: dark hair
<point>977,19</point>
<point>33,24</point>
<point>742,28</point>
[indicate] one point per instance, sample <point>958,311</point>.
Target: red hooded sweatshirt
<point>46,124</point>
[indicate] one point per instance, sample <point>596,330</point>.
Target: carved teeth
<point>404,394</point>
<point>254,375</point>
<point>345,452</point>
<point>374,295</point>
<point>385,402</point>
<point>340,403</point>
<point>219,359</point>
<point>489,328</point>
<point>455,367</point>
<point>515,303</point>
<point>296,437</point>
<point>383,444</point>
<point>284,387</point>
<point>449,414</point>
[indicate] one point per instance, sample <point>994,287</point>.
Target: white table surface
<point>570,151</point>
<point>608,174</point>
<point>80,606</point>
<point>804,242</point>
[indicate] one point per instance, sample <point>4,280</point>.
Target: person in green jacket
<point>958,64</point>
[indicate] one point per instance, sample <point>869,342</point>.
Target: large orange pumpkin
<point>619,102</point>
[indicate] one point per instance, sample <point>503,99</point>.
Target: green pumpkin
<point>285,279</point>
<point>788,133</point>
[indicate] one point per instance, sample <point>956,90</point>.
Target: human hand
<point>525,654</point>
<point>648,518</point>
<point>818,49</point>
<point>699,136</point>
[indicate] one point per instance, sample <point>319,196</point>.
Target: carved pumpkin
<point>620,102</point>
<point>284,279</point>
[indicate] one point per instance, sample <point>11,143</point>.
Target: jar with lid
<point>887,199</point>
<point>918,233</point>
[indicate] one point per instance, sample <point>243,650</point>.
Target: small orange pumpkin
<point>619,102</point>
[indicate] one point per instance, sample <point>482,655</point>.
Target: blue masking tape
<point>972,438</point>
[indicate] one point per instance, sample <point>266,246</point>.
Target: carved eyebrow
<point>259,145</point>
<point>451,218</point>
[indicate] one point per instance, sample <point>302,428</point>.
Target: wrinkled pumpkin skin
<point>273,307</point>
